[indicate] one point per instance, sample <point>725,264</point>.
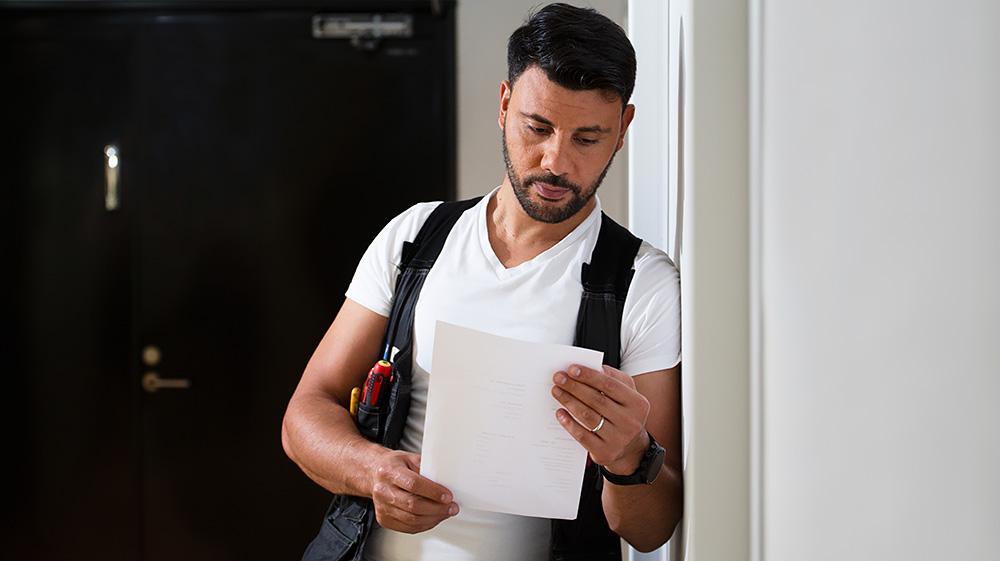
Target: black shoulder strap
<point>423,251</point>
<point>606,280</point>
<point>610,268</point>
<point>605,285</point>
<point>419,255</point>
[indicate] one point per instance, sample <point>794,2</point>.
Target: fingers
<point>398,519</point>
<point>419,485</point>
<point>413,504</point>
<point>587,396</point>
<point>579,397</point>
<point>586,415</point>
<point>406,501</point>
<point>603,447</point>
<point>587,439</point>
<point>601,382</point>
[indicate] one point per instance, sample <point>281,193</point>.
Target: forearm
<point>645,515</point>
<point>320,436</point>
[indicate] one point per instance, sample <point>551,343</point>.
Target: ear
<point>504,102</point>
<point>627,115</point>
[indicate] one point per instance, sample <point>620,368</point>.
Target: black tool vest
<point>606,280</point>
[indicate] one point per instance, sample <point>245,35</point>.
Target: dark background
<point>257,163</point>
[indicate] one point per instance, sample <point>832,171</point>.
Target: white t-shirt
<point>536,301</point>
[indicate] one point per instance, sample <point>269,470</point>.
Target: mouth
<point>549,192</point>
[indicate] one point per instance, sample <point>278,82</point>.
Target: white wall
<point>483,29</point>
<point>880,277</point>
<point>840,261</point>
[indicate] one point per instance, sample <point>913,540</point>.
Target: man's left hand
<point>587,397</point>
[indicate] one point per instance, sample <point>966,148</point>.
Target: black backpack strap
<point>421,253</point>
<point>606,281</point>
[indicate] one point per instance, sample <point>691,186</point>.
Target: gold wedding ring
<point>599,425</point>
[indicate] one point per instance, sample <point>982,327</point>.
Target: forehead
<point>533,92</point>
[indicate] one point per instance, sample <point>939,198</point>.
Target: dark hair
<point>577,48</point>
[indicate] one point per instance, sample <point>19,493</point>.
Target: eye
<point>586,141</point>
<point>538,130</point>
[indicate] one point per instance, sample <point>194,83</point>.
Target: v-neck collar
<point>536,261</point>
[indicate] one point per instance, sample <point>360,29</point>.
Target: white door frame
<point>690,194</point>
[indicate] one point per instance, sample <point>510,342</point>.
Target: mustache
<point>553,180</point>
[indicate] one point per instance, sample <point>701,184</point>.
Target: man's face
<point>558,143</point>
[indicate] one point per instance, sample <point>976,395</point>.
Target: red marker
<point>373,385</point>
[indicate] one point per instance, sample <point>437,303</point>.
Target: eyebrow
<point>544,121</point>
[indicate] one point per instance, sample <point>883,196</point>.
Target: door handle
<point>151,382</point>
<point>111,162</point>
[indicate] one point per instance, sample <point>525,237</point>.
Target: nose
<point>555,156</point>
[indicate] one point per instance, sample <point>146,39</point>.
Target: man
<point>510,266</point>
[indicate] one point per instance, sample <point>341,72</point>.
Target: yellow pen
<point>355,398</point>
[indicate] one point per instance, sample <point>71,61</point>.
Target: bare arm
<point>645,515</point>
<point>320,436</point>
<point>318,432</point>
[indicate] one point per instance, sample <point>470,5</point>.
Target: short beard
<point>550,215</point>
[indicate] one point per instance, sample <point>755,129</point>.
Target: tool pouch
<point>370,422</point>
<point>375,421</point>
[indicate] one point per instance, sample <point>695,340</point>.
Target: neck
<point>517,237</point>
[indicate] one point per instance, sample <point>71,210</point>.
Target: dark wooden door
<point>272,159</point>
<point>257,163</point>
<point>73,442</point>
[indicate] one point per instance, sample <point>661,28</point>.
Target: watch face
<point>654,460</point>
<point>649,467</point>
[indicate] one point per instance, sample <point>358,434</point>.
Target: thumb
<point>412,461</point>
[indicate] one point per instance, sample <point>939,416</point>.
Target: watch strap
<point>653,458</point>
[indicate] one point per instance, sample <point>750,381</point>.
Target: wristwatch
<point>649,467</point>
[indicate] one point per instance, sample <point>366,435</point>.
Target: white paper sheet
<point>490,432</point>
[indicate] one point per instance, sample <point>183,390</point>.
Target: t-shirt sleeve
<point>375,278</point>
<point>651,322</point>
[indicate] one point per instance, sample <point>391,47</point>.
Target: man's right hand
<point>404,500</point>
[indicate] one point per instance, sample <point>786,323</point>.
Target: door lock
<point>151,355</point>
